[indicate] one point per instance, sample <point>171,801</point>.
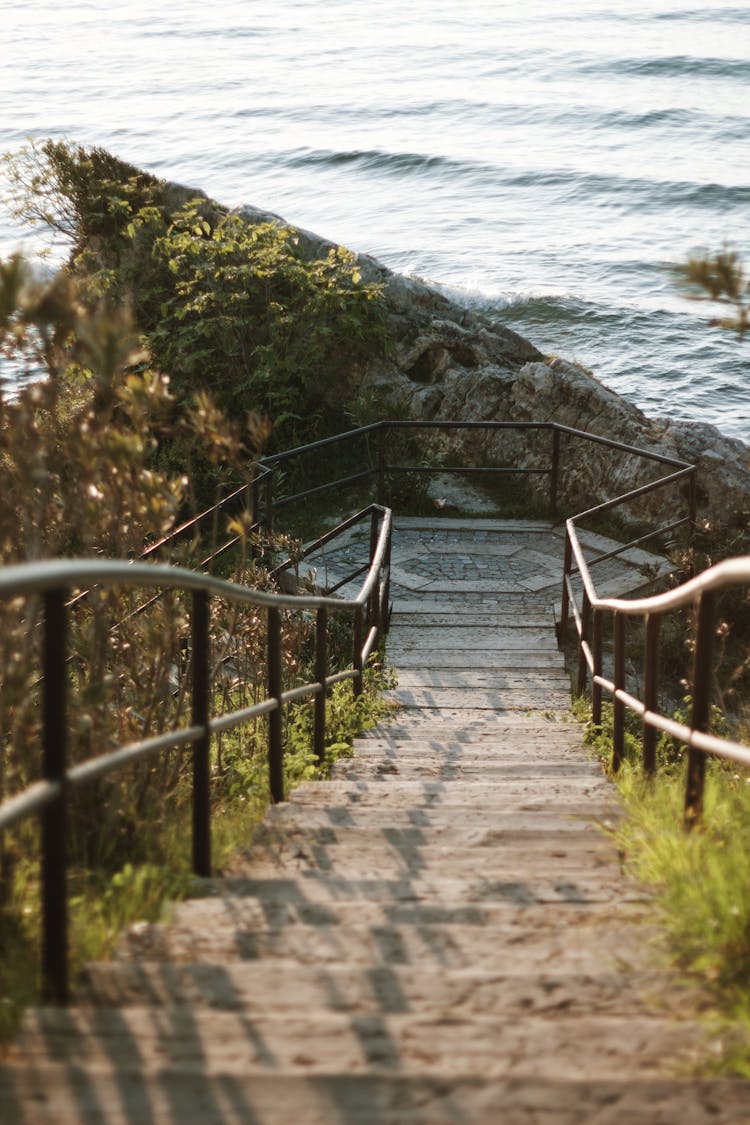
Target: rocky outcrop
<point>449,361</point>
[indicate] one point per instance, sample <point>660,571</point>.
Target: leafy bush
<point>225,306</point>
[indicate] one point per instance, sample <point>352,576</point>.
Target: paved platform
<point>441,934</point>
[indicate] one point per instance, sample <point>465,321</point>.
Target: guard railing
<point>699,595</point>
<point>53,581</point>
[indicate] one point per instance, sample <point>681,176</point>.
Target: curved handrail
<point>700,591</point>
<point>51,574</point>
<point>728,572</point>
<point>53,580</point>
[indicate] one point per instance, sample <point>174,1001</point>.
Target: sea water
<point>546,160</point>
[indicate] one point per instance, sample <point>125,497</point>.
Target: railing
<point>369,611</point>
<point>53,581</point>
<point>589,620</point>
<point>376,467</point>
<point>263,497</point>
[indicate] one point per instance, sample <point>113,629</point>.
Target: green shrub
<point>228,307</point>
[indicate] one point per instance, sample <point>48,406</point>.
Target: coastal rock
<point>451,361</point>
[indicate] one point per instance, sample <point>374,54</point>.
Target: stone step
<point>284,885</point>
<point>500,882</point>
<point>430,764</point>
<point>248,913</point>
<point>579,840</point>
<point>527,758</point>
<point>459,603</point>
<point>436,1043</point>
<point>457,699</point>
<point>503,678</point>
<point>53,1093</point>
<point>533,756</point>
<point>248,986</point>
<point>440,528</point>
<point>513,726</point>
<point>494,584</point>
<point>501,661</point>
<point>473,638</point>
<point>456,725</point>
<point>497,745</point>
<point>563,795</point>
<point>531,821</point>
<point>567,934</point>
<point>435,622</point>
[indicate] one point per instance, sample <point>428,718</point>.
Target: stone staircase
<point>440,934</point>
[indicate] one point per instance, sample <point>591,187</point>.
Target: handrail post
<point>373,607</point>
<point>358,633</point>
<point>275,744</point>
<point>585,629</point>
<point>554,473</point>
<point>268,521</point>
<point>596,689</point>
<point>701,710</point>
<point>693,514</point>
<point>202,747</point>
<point>321,672</point>
<point>252,495</point>
<point>53,816</point>
<point>651,690</point>
<point>385,609</point>
<point>562,625</point>
<point>381,464</point>
<point>618,707</point>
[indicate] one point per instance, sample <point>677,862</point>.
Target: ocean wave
<point>595,186</point>
<point>376,159</point>
<point>566,310</point>
<point>637,190</point>
<point>704,15</point>
<point>680,66</point>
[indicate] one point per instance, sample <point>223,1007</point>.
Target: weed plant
<point>699,876</point>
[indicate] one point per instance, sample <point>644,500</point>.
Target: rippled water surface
<point>546,160</point>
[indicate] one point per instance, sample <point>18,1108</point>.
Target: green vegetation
<point>238,311</point>
<point>719,278</point>
<point>699,877</point>
<point>101,453</point>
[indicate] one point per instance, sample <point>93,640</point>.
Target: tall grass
<point>700,878</point>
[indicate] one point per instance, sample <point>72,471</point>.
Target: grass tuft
<point>700,880</point>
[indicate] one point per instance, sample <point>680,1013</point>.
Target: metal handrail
<point>697,592</point>
<point>267,466</point>
<point>54,579</point>
<point>370,612</point>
